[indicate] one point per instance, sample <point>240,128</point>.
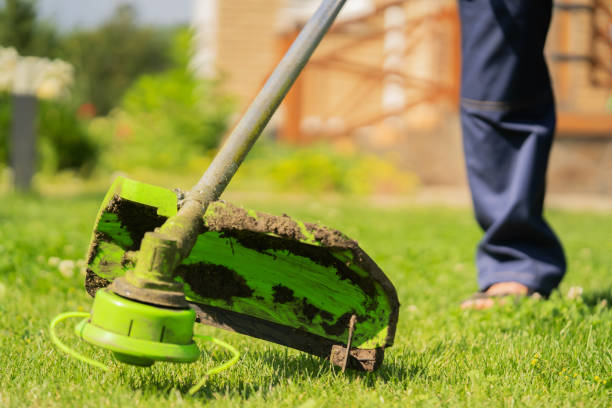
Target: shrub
<point>192,110</point>
<point>308,170</point>
<point>322,169</point>
<point>64,142</point>
<point>166,119</point>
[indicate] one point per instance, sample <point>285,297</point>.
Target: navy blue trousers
<point>508,122</point>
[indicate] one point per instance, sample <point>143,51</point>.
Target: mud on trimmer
<point>157,262</point>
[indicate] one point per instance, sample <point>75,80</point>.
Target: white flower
<point>574,292</point>
<point>66,268</point>
<point>53,261</point>
<point>42,77</point>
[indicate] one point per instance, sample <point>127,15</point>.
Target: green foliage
<point>554,353</point>
<point>166,120</point>
<point>18,21</point>
<point>64,141</point>
<point>5,127</point>
<point>321,169</point>
<point>108,59</point>
<point>20,29</point>
<point>194,109</point>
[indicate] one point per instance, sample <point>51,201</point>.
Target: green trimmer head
<point>138,333</point>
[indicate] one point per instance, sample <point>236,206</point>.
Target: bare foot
<point>497,289</point>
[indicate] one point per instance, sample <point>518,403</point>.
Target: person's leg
<point>508,122</point>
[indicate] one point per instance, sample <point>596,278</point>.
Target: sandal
<point>484,300</point>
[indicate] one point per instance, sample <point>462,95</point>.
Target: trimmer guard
<point>271,277</point>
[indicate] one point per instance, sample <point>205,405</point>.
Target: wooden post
<point>291,127</point>
<point>28,78</point>
<point>455,87</point>
<point>563,70</point>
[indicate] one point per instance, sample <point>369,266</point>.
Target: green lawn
<point>536,353</point>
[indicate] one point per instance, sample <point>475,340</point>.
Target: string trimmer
<point>158,262</point>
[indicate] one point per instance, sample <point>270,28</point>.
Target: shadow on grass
<point>406,365</point>
<point>271,369</point>
<point>595,298</point>
<point>274,368</point>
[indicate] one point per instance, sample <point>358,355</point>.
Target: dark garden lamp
<point>29,79</point>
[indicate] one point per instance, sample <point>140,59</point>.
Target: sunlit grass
<point>534,353</point>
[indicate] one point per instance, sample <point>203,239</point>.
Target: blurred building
<point>386,78</point>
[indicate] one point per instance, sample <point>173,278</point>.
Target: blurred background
<point>148,89</point>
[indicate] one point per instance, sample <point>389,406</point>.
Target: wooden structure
<point>375,68</point>
<point>409,50</point>
<point>580,57</point>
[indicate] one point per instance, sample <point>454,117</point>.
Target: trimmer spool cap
<point>139,333</point>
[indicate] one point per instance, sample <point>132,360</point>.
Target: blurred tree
<point>167,119</point>
<point>20,29</point>
<point>18,21</point>
<point>109,58</point>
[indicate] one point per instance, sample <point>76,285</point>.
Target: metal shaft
<point>157,259</point>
